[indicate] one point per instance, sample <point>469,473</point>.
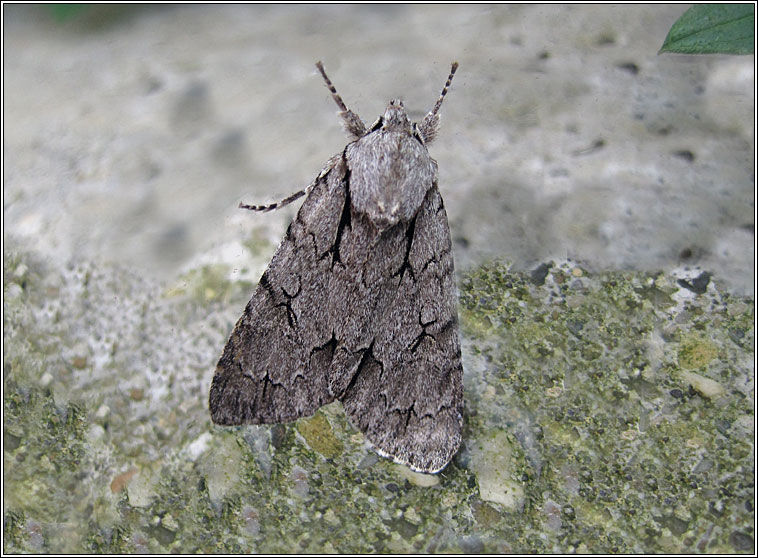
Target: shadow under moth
<point>359,302</point>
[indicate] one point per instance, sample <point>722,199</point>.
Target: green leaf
<point>62,12</point>
<point>713,28</point>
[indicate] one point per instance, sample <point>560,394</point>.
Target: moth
<point>359,301</point>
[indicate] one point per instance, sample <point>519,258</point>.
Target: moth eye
<point>378,124</point>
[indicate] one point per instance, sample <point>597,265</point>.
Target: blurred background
<point>132,132</point>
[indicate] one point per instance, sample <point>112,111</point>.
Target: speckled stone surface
<point>604,413</point>
<point>609,397</point>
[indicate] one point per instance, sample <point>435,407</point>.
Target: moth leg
<point>273,206</point>
<point>297,195</point>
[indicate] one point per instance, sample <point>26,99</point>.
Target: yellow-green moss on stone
<point>319,435</point>
<point>696,351</point>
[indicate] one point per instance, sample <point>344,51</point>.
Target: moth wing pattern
<point>385,343</point>
<point>406,395</point>
<point>275,366</point>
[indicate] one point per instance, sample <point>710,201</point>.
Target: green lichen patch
<point>696,351</point>
<point>586,370</point>
<point>319,435</point>
<point>583,432</point>
<point>14,532</point>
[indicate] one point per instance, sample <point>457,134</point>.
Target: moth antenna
<point>351,122</point>
<point>429,126</point>
<point>333,90</point>
<point>438,104</point>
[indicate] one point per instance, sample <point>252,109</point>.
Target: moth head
<point>395,119</point>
